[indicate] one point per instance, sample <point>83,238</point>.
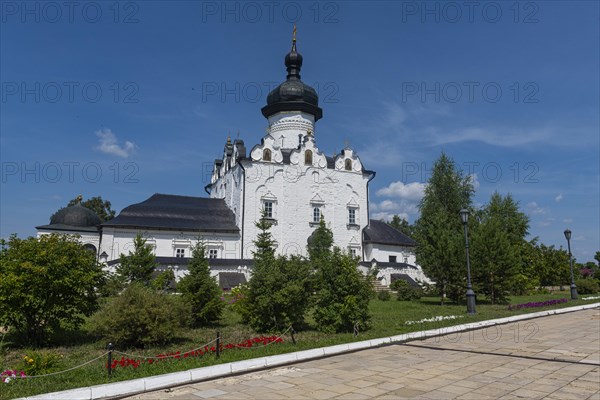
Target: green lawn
<point>389,319</point>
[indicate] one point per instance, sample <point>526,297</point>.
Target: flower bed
<point>248,343</point>
<point>537,304</point>
<point>10,374</point>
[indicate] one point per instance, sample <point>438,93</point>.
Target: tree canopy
<point>47,284</point>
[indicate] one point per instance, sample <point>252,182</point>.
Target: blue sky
<point>126,99</point>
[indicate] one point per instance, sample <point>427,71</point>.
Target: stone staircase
<point>379,287</point>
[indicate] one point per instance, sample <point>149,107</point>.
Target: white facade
<point>296,187</point>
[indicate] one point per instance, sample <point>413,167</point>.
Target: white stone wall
<point>92,238</point>
<point>382,252</point>
<point>180,270</point>
<point>165,242</point>
<point>416,274</point>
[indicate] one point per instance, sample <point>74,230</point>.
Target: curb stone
<point>137,386</point>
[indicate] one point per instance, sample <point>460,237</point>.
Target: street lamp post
<point>573,287</point>
<point>464,216</point>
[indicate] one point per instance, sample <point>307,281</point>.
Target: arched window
<point>348,164</point>
<point>90,247</point>
<point>266,155</point>
<point>308,157</point>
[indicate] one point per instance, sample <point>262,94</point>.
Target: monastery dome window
<point>308,157</point>
<point>266,155</point>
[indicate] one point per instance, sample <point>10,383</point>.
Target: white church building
<point>285,176</point>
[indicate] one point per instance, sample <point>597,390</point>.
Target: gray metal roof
<point>382,233</point>
<point>171,212</point>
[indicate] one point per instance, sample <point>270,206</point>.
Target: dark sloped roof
<point>63,227</point>
<point>404,277</point>
<point>171,212</point>
<point>382,233</point>
<point>229,280</point>
<point>73,218</point>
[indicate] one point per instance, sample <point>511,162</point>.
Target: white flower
<point>590,298</point>
<point>433,319</point>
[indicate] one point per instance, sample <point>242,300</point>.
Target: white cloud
<point>474,181</point>
<point>387,209</point>
<point>108,143</point>
<point>412,191</point>
<point>558,198</point>
<point>387,205</point>
<point>568,220</point>
<point>534,209</point>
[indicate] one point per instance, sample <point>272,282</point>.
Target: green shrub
<point>276,296</point>
<point>45,284</point>
<point>140,317</point>
<point>342,294</point>
<point>384,295</point>
<point>404,291</point>
<point>587,286</point>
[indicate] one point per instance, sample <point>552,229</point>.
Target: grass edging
<point>157,382</point>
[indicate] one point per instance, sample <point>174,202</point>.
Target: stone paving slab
<point>553,357</point>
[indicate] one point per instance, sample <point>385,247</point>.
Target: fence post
<point>218,344</point>
<point>292,331</point>
<point>110,349</point>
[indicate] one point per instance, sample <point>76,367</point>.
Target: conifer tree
<point>342,292</point>
<point>439,232</point>
<point>278,293</point>
<point>139,264</point>
<point>498,250</point>
<point>200,290</point>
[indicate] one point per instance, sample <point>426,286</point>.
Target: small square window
<point>405,260</point>
<point>353,252</point>
<point>212,253</point>
<point>392,259</point>
<point>179,253</point>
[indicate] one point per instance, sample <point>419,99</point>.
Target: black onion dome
<point>293,94</point>
<point>76,216</point>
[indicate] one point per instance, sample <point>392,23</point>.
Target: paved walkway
<point>554,357</point>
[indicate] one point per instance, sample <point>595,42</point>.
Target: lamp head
<point>568,234</point>
<point>464,215</point>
